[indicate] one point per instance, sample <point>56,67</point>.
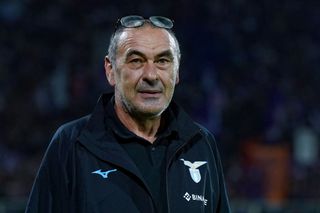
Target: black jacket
<point>71,177</point>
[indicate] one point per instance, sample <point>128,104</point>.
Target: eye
<point>135,60</point>
<point>135,63</point>
<point>163,62</point>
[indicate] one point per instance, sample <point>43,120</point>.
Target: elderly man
<point>138,151</point>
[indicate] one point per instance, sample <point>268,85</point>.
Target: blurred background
<point>249,73</point>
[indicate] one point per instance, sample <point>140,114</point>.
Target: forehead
<point>146,38</point>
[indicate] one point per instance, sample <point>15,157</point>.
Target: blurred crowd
<point>249,70</point>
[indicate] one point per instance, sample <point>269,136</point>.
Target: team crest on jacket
<point>193,169</point>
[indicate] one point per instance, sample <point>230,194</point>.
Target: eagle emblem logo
<point>193,169</point>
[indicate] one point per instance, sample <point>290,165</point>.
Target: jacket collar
<point>184,124</point>
<point>97,138</point>
<point>112,122</point>
<point>100,143</point>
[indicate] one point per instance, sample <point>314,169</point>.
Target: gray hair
<point>114,41</point>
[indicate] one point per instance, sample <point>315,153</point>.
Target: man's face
<point>146,71</point>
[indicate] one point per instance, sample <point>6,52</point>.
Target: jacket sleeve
<point>223,204</point>
<point>49,191</point>
<point>224,200</point>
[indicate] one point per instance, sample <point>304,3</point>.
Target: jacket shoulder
<point>64,138</point>
<point>205,132</point>
<point>208,138</point>
<point>72,129</point>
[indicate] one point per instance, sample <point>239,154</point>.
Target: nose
<point>150,73</point>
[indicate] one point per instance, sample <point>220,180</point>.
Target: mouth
<point>150,93</point>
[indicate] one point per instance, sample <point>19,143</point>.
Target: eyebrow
<point>167,53</point>
<point>134,52</point>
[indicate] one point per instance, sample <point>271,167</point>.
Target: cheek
<point>128,80</point>
<point>169,83</point>
<point>171,79</point>
<point>130,77</point>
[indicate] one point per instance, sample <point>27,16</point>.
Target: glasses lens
<point>132,21</point>
<point>161,21</point>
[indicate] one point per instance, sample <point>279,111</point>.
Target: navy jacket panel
<point>86,170</point>
<point>51,189</point>
<point>207,195</point>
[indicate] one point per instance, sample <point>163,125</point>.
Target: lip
<point>150,93</point>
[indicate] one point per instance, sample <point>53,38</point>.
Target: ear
<point>177,77</point>
<point>109,71</point>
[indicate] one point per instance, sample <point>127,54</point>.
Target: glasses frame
<point>135,21</point>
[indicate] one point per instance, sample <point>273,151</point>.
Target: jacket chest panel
<point>107,187</point>
<point>191,183</point>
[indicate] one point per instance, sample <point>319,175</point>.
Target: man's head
<point>142,65</point>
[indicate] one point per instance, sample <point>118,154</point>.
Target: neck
<point>143,127</point>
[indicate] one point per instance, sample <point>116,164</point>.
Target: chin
<point>150,111</point>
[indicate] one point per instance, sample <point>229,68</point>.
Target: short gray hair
<point>114,41</point>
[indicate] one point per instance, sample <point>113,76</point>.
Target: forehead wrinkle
<point>145,39</point>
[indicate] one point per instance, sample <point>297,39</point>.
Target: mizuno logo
<point>193,169</point>
<point>104,174</point>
